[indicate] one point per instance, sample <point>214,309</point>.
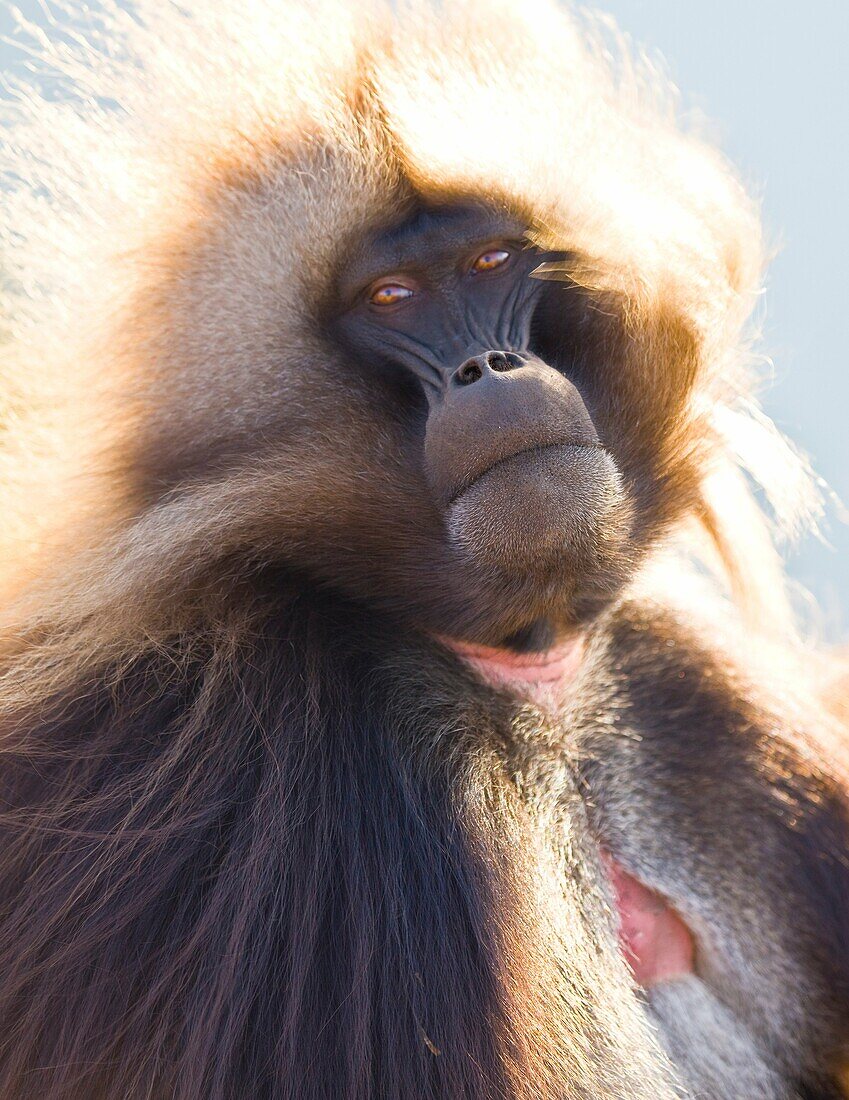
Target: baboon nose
<point>479,366</point>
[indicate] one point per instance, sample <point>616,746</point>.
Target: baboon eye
<point>490,260</point>
<point>389,294</point>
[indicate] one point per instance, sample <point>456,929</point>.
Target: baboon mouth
<point>530,452</point>
<point>540,509</point>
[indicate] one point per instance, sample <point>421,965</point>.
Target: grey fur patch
<point>716,1056</point>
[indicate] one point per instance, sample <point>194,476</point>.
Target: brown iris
<point>389,294</point>
<point>489,260</point>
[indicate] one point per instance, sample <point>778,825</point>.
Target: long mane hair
<point>255,841</point>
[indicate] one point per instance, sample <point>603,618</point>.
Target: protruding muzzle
<point>513,457</point>
<point>496,405</point>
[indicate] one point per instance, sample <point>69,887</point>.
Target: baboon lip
<point>537,448</point>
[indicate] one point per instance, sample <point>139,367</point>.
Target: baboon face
<point>524,494</point>
<point>452,437</point>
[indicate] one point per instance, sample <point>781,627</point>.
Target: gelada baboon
<point>397,696</point>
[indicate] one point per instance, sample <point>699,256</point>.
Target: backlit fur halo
<point>173,117</point>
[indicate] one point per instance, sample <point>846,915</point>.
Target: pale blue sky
<point>773,78</point>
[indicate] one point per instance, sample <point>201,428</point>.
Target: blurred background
<point>772,78</point>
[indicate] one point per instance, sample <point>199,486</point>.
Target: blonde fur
<point>165,107</point>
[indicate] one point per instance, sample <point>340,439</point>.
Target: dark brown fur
<point>270,862</point>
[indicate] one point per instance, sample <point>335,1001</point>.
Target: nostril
<point>496,362</point>
<point>470,371</point>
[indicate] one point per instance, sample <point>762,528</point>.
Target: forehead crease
<point>430,234</point>
<point>429,227</point>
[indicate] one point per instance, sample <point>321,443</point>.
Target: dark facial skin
<point>445,304</point>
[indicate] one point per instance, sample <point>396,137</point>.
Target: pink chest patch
<point>543,677</point>
<point>657,944</point>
